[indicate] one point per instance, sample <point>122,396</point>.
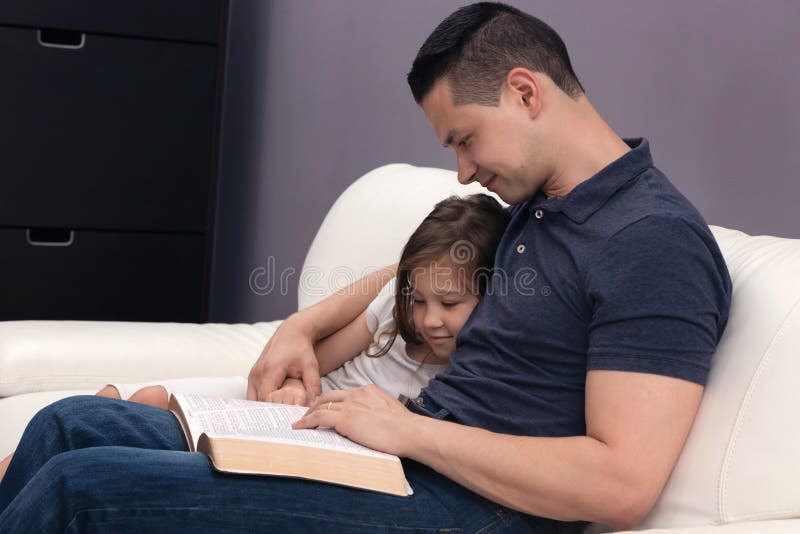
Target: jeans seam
<point>286,513</point>
<point>503,518</point>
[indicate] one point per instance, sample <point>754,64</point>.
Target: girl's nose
<point>432,319</point>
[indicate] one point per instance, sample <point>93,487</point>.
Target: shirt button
<point>520,248</point>
<point>538,214</point>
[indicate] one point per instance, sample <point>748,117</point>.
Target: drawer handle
<point>61,39</point>
<point>50,237</point>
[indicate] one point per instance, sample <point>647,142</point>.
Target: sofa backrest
<point>370,222</point>
<point>741,461</point>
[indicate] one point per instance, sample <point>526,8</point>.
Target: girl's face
<point>441,303</point>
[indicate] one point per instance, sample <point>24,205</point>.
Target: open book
<point>241,436</point>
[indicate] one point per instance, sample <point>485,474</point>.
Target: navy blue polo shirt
<point>620,274</point>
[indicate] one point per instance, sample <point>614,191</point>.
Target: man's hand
<point>292,392</point>
<point>288,354</point>
<point>290,351</point>
<point>367,415</point>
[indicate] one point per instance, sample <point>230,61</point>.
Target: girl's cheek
<point>416,320</point>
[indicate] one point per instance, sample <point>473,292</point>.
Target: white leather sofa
<point>740,469</point>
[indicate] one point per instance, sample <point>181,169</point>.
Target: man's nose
<point>466,169</point>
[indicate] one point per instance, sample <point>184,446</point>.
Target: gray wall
<point>316,97</point>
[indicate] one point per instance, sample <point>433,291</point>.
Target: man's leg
<point>124,489</point>
<point>153,396</point>
<point>90,464</point>
<point>86,421</point>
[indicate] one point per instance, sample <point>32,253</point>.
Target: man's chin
<point>506,197</point>
<point>514,197</point>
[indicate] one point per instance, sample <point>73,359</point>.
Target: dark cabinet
<point>109,136</point>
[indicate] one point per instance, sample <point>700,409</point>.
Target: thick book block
<point>249,437</point>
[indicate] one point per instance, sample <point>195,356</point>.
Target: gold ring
<point>328,407</point>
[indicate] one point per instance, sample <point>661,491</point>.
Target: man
<point>570,400</point>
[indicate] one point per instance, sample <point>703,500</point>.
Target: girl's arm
<point>343,345</point>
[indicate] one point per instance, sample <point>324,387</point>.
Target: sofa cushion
<point>53,355</point>
<point>741,460</point>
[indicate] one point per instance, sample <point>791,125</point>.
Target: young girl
<point>407,333</point>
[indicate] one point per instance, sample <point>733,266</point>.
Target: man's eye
<point>464,142</point>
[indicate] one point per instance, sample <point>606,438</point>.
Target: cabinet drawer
<point>184,20</point>
<point>102,275</point>
<point>117,134</point>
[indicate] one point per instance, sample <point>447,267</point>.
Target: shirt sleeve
<point>380,309</point>
<point>660,294</point>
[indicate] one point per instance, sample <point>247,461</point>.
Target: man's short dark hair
<point>477,45</point>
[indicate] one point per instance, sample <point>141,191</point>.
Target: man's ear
<point>525,89</point>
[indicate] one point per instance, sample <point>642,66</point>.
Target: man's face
<point>494,145</point>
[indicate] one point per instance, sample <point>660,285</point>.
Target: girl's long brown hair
<point>465,230</point>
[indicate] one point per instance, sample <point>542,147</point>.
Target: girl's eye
<point>464,142</point>
<point>418,301</point>
<point>449,304</point>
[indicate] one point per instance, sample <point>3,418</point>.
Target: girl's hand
<point>292,392</point>
<point>367,415</point>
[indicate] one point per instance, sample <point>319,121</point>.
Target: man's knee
<point>74,404</point>
<point>68,419</point>
<point>72,481</point>
<point>69,470</point>
<point>64,410</point>
<point>108,476</point>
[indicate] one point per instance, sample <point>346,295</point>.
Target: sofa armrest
<point>60,355</point>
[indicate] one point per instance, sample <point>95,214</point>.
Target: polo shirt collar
<point>591,195</point>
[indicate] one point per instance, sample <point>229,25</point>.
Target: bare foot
<point>152,396</point>
<point>108,391</point>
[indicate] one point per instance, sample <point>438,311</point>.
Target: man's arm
<point>637,424</point>
<point>332,352</point>
<point>290,352</point>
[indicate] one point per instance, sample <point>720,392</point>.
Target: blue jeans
<point>92,464</point>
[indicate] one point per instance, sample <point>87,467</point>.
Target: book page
<point>262,421</point>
